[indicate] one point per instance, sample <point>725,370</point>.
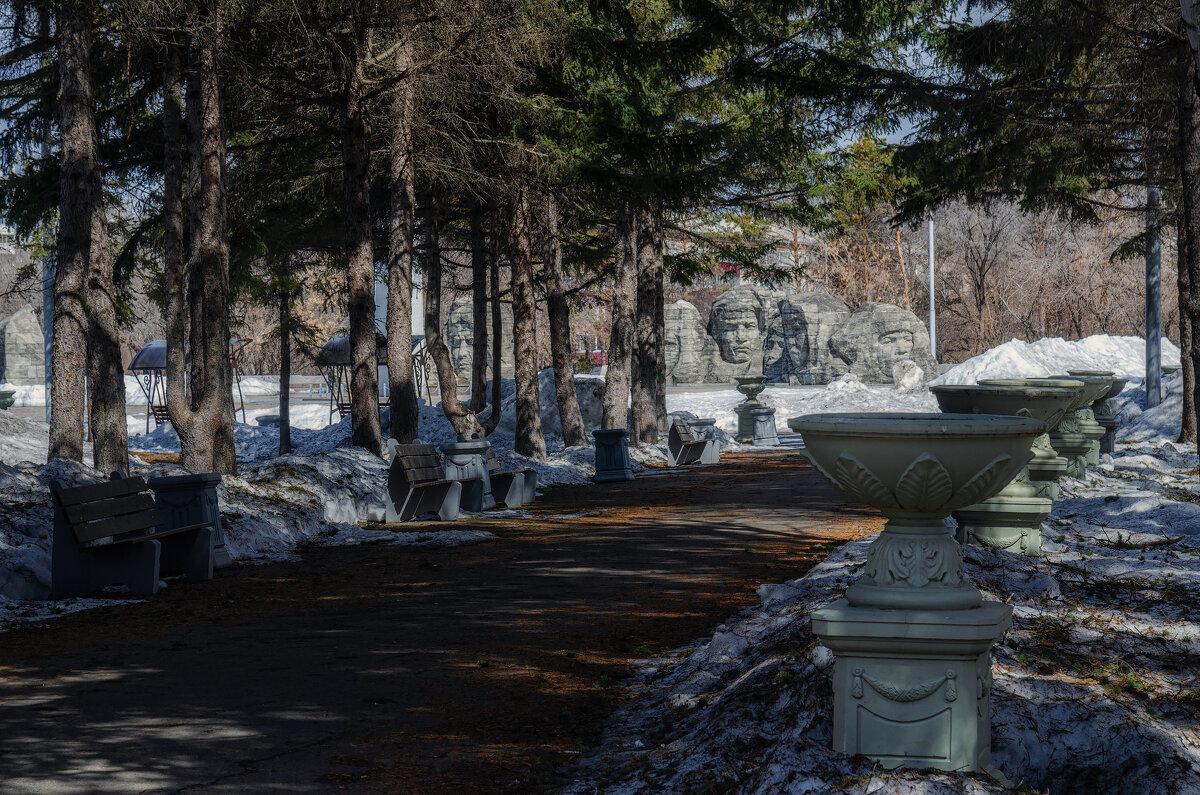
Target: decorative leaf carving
<point>925,485</point>
<point>861,484</point>
<point>914,561</point>
<point>986,482</point>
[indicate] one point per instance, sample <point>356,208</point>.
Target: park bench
<point>683,446</point>
<point>111,533</point>
<point>417,484</point>
<point>514,488</point>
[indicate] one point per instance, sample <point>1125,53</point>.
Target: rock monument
<point>21,351</point>
<point>877,337</point>
<point>798,343</point>
<point>460,338</point>
<point>788,337</point>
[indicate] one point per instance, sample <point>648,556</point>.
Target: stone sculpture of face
<point>459,340</point>
<point>894,346</point>
<point>795,333</point>
<point>683,346</point>
<point>738,333</point>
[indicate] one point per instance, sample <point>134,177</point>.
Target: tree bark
<point>78,195</point>
<point>493,419</point>
<point>479,311</point>
<point>621,340</point>
<point>208,444</point>
<point>360,272</point>
<point>404,409</point>
<point>530,441</point>
<point>285,372</point>
<point>647,341</point>
<point>461,418</point>
<point>561,350</point>
<point>1187,429</point>
<point>1189,167</point>
<point>106,375</point>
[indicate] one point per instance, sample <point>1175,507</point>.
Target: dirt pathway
<point>478,669</point>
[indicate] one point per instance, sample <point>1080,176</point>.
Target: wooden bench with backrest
<point>514,488</point>
<point>417,484</point>
<point>683,446</point>
<point>111,533</point>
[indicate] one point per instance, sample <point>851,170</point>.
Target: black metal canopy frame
<point>149,367</point>
<point>333,361</point>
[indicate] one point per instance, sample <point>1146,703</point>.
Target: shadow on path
<point>477,669</point>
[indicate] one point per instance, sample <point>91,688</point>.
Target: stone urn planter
<point>1102,411</point>
<point>1094,387</point>
<point>912,638</point>
<point>1046,469</point>
<point>612,455</point>
<point>7,398</point>
<point>751,386</point>
<point>1011,520</point>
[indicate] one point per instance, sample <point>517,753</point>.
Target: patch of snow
<point>1124,356</point>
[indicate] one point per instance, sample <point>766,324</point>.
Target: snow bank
<point>846,394</point>
<point>251,386</point>
<point>1125,356</point>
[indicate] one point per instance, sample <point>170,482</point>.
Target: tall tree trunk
<point>176,288</point>
<point>78,195</point>
<point>621,341</point>
<point>529,441</point>
<point>106,374</point>
<point>205,424</point>
<point>660,327</point>
<point>647,342</point>
<point>479,311</point>
<point>496,399</point>
<point>404,410</point>
<point>1187,429</point>
<point>561,350</point>
<point>360,272</point>
<point>285,372</point>
<point>461,419</point>
<point>1189,167</point>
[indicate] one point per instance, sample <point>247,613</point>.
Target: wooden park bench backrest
<point>683,431</point>
<point>420,463</point>
<point>106,509</point>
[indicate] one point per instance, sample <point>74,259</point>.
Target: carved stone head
<point>738,324</point>
<point>877,337</point>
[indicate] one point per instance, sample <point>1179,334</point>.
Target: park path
<point>484,668</point>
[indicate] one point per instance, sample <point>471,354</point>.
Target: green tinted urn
<point>912,637</point>
<point>751,386</point>
<point>1011,520</point>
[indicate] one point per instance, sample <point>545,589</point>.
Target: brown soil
<point>485,668</point>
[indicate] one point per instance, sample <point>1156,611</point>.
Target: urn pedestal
<point>706,428</point>
<point>912,638</point>
<point>466,462</point>
<point>192,499</point>
<point>1096,385</point>
<point>751,387</point>
<point>765,434</point>
<point>612,455</point>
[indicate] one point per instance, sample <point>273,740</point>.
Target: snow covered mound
<point>1125,356</point>
<point>1139,424</point>
<point>847,394</point>
<point>22,439</point>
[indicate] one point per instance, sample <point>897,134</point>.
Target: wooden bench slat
<point>129,539</point>
<point>143,520</point>
<point>100,491</point>
<point>103,509</point>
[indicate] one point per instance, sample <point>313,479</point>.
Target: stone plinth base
<point>913,687</point>
<point>1013,524</point>
<point>612,455</point>
<point>466,462</point>
<point>706,428</point>
<point>745,415</point>
<point>192,499</point>
<point>765,434</point>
